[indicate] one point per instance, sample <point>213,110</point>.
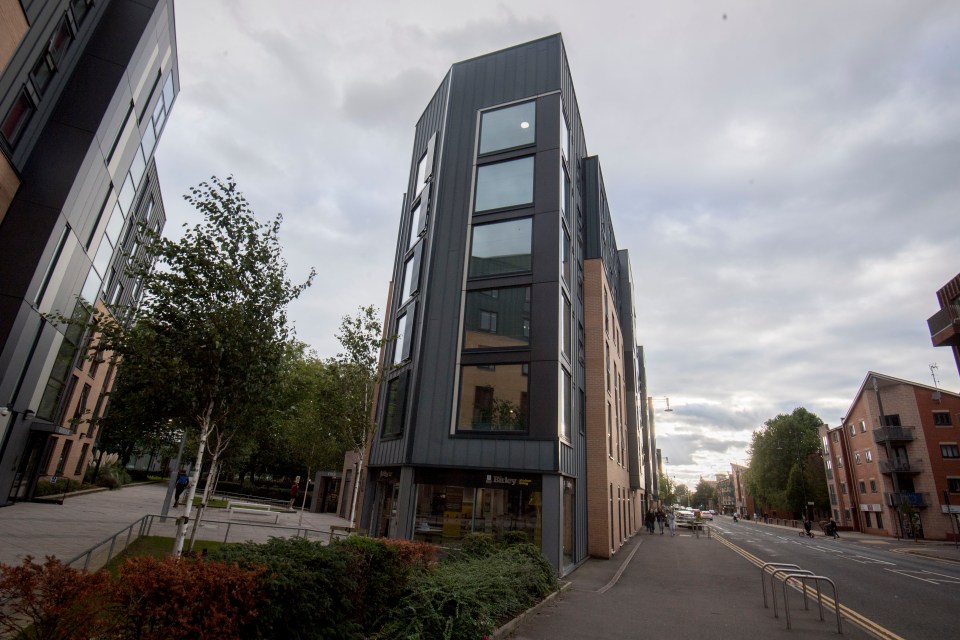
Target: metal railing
<point>100,554</point>
<point>892,434</point>
<point>901,466</point>
<point>907,497</point>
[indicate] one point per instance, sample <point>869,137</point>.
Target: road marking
<point>868,560</point>
<point>924,576</point>
<point>817,547</point>
<point>858,619</point>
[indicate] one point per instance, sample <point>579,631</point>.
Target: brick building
<point>893,465</point>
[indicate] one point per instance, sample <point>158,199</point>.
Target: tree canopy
<point>212,331</point>
<point>786,471</point>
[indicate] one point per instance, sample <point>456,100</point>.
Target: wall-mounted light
<point>4,411</point>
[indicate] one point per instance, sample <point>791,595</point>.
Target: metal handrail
<point>145,524</point>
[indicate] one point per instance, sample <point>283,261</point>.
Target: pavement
<point>686,587</point>
<point>87,519</point>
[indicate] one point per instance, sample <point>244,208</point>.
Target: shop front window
<point>446,513</point>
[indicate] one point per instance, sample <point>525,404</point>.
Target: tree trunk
<point>356,487</point>
<point>192,491</point>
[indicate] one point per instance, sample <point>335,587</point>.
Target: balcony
<point>901,466</point>
<point>892,434</point>
<point>945,327</point>
<point>907,497</point>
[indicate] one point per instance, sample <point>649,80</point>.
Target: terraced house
<point>514,399</point>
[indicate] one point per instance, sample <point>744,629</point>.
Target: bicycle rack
<point>803,591</point>
<point>785,572</point>
<point>763,573</point>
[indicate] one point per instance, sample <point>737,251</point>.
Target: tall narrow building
<point>513,399</point>
<point>85,91</point>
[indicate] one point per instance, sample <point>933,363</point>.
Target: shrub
<point>50,601</point>
<point>468,598</point>
<point>174,599</point>
<point>63,485</point>
<point>516,537</point>
<point>381,577</point>
<point>415,555</point>
<point>308,585</point>
<point>478,545</point>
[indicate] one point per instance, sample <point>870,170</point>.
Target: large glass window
<point>415,224</point>
<point>395,405</point>
<point>508,127</point>
<point>497,318</point>
<point>445,513</point>
<point>501,247</point>
<point>564,191</point>
<point>566,404</point>
<point>504,184</point>
<point>494,398</point>
<point>565,256</point>
<point>408,277</point>
<point>421,173</point>
<point>564,137</point>
<point>403,337</point>
<point>566,330</point>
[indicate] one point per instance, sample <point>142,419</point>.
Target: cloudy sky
<point>784,174</point>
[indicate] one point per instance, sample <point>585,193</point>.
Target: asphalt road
<point>913,597</point>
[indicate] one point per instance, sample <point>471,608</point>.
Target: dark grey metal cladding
<point>392,450</point>
<point>522,72</point>
<point>630,370</point>
<point>506,76</point>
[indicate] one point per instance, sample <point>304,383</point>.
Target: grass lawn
<point>157,547</point>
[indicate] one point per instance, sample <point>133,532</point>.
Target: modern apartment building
<point>514,396</point>
<point>85,91</point>
<point>945,324</point>
<point>893,465</point>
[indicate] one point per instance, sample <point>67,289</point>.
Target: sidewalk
<point>82,521</point>
<point>678,588</point>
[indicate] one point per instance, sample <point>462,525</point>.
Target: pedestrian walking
<point>183,481</point>
<point>294,488</point>
<point>672,523</point>
<point>660,519</point>
<point>649,520</point>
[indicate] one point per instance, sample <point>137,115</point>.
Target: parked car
<point>685,517</point>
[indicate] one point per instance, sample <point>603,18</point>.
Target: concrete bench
<point>343,531</point>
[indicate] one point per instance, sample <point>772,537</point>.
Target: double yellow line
<point>858,619</point>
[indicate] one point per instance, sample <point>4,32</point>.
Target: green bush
<point>308,585</point>
<point>110,476</point>
<point>63,485</point>
<point>469,597</point>
<point>381,576</point>
<point>516,537</point>
<point>478,545</point>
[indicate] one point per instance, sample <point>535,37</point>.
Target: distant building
<point>85,91</point>
<point>893,466</point>
<point>514,401</point>
<point>726,496</point>
<point>945,324</point>
<point>743,501</point>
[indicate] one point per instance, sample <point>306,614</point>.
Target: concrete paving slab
<point>83,521</point>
